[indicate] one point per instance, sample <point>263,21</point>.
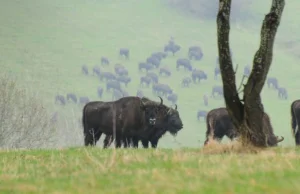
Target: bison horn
<point>175,106</point>
<point>280,139</point>
<point>161,100</point>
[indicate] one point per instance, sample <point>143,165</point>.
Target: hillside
<point>45,43</point>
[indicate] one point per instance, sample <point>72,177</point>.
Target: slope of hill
<point>45,43</point>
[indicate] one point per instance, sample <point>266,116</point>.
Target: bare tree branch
<point>233,103</point>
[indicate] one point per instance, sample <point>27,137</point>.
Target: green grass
<point>81,170</point>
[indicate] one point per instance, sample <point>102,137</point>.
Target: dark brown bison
<point>168,120</point>
<point>128,116</point>
<point>295,113</point>
<point>219,124</point>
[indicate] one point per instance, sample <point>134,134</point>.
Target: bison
<point>282,93</point>
<point>186,82</point>
<point>201,113</point>
<point>295,113</point>
<point>128,116</point>
<point>60,99</point>
<point>198,75</point>
<point>146,66</point>
<point>145,80</point>
<point>124,52</point>
<point>185,63</point>
<point>219,124</point>
<point>164,70</point>
<point>71,96</point>
<point>104,61</point>
<point>272,82</point>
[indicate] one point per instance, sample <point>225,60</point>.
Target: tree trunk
<point>248,115</point>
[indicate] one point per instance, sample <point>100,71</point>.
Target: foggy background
<point>44,45</point>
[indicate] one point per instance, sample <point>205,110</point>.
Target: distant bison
<point>100,91</point>
<point>153,76</point>
<point>272,81</point>
<point>72,97</point>
<point>173,48</point>
<point>108,76</point>
<point>184,63</point>
<point>153,61</point>
<point>124,52</point>
<point>218,90</point>
<point>282,93</point>
<point>124,79</point>
<point>140,94</point>
<point>195,52</point>
<point>159,55</point>
<point>113,85</point>
<point>60,99</point>
<point>84,70</point>
<point>96,70</point>
<point>84,100</point>
<point>165,71</point>
<point>145,66</point>
<point>217,72</point>
<point>173,98</point>
<point>186,82</point>
<point>201,114</point>
<point>104,61</point>
<point>163,89</point>
<point>145,80</point>
<point>198,75</point>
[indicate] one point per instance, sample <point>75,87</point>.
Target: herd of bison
<point>128,119</point>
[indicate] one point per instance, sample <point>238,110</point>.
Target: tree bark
<point>249,117</point>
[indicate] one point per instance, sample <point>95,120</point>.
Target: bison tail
<point>209,129</point>
<point>84,117</point>
<point>294,121</point>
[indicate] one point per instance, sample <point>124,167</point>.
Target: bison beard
<point>132,117</point>
<point>219,124</point>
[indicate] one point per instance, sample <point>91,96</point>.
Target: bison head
<point>174,123</point>
<point>151,109</point>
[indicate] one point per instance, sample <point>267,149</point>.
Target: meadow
<point>45,43</point>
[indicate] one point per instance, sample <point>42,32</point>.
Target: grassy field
<point>43,44</point>
<point>80,170</point>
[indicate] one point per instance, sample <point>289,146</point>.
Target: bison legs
<point>91,137</point>
<point>297,138</point>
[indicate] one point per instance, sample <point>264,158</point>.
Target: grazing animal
<point>165,71</point>
<point>201,114</point>
<point>282,93</point>
<point>145,80</point>
<point>161,89</point>
<point>120,70</point>
<point>159,55</point>
<point>100,91</point>
<point>217,72</point>
<point>198,75</point>
<point>85,70</point>
<point>173,48</point>
<point>128,116</point>
<point>124,79</point>
<point>295,113</point>
<point>108,76</point>
<point>272,81</point>
<point>153,61</point>
<point>113,85</point>
<point>117,94</point>
<point>104,61</point>
<point>173,98</point>
<point>146,66</point>
<point>84,100</point>
<point>186,82</point>
<point>184,63</point>
<point>247,70</point>
<point>195,52</point>
<point>218,90</point>
<point>124,52</point>
<point>153,76</point>
<point>219,124</point>
<point>96,70</point>
<point>60,99</point>
<point>72,97</point>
